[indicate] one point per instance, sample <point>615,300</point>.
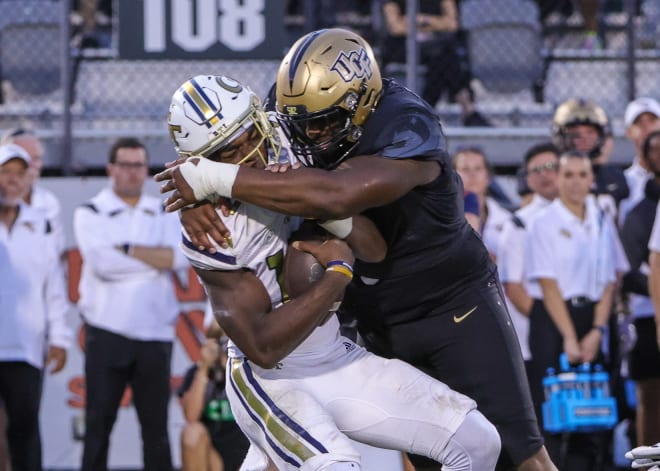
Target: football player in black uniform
<point>378,149</point>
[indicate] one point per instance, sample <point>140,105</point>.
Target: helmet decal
<point>300,52</point>
<point>356,64</point>
<point>202,105</point>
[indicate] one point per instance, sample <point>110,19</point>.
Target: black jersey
<point>431,248</point>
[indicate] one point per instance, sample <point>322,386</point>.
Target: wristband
<point>340,228</point>
<point>600,328</point>
<point>341,267</point>
<point>206,177</point>
<point>127,249</point>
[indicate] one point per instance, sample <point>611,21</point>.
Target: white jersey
<point>260,238</point>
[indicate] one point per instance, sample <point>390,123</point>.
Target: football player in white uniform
<point>296,386</point>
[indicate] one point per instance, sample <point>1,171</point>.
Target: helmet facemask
<point>323,139</point>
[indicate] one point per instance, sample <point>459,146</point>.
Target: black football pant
<point>113,362</point>
<point>20,390</point>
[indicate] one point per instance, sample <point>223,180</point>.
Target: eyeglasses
<point>130,165</point>
<point>539,169</point>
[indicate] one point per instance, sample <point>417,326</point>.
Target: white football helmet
<point>208,112</point>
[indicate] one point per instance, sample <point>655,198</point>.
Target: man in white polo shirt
<point>642,116</point>
<point>129,249</point>
<point>33,307</point>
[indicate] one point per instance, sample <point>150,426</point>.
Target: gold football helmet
<point>578,111</point>
<point>327,86</point>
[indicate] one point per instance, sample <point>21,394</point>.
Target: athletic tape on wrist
<point>338,227</point>
<point>206,177</point>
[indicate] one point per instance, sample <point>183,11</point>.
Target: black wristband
<point>126,248</point>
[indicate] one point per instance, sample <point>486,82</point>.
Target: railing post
<point>412,51</point>
<point>66,83</point>
<point>629,6</point>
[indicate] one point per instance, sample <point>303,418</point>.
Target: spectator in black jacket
<point>645,355</point>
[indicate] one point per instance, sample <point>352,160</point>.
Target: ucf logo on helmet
<point>355,64</point>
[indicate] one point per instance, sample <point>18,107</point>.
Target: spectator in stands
<point>569,257</point>
<point>38,197</point>
<point>129,247</point>
<point>540,174</point>
<point>211,440</point>
<point>33,330</point>
<point>588,11</point>
<point>91,23</point>
<point>476,173</point>
<point>642,116</point>
<point>644,358</point>
<point>582,125</point>
<point>447,68</point>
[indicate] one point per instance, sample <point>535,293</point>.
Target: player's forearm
<point>366,241</point>
<point>273,335</point>
<point>305,192</point>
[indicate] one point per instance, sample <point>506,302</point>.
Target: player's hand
<point>283,167</point>
<point>204,225</point>
<point>590,345</point>
<point>327,251</point>
<point>57,356</point>
<point>182,194</point>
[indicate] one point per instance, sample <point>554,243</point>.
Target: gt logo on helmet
<point>352,65</point>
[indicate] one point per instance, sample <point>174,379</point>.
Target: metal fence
<point>110,96</point>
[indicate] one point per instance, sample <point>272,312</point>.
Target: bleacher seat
<point>504,43</point>
<point>30,46</point>
<point>143,89</point>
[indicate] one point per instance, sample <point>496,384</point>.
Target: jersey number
<point>276,262</point>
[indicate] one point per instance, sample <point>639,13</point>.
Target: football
<point>301,270</point>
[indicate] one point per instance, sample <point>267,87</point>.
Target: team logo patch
<point>349,346</point>
<point>356,64</point>
<point>565,233</point>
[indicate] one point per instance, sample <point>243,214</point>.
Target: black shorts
<point>472,347</point>
<point>645,356</point>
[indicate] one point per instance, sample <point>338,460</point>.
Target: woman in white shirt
<point>472,165</point>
